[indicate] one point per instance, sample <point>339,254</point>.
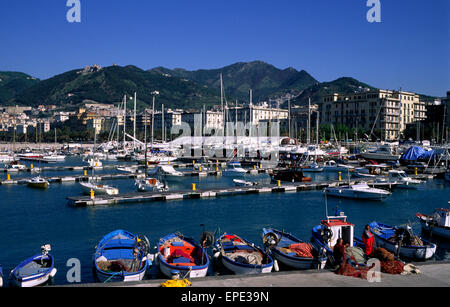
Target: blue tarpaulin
<point>417,153</point>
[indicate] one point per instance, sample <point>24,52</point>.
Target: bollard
<point>85,172</point>
<point>31,166</point>
<point>168,162</point>
<point>339,176</point>
<point>279,183</point>
<point>254,167</point>
<point>415,171</point>
<point>193,187</point>
<point>200,169</point>
<point>92,194</point>
<point>260,165</point>
<point>217,169</point>
<point>8,177</point>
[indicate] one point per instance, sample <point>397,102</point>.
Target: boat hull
<point>241,269</point>
<point>194,273</point>
<point>341,193</point>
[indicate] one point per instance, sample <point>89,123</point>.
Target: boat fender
<point>276,268</point>
<point>216,255</point>
<point>53,272</point>
<point>156,258</point>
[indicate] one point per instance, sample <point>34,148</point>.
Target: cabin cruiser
<point>166,171</point>
<point>150,184</point>
<point>332,166</point>
<point>94,162</point>
<point>382,153</point>
<point>290,174</point>
<point>403,181</point>
<point>38,182</point>
<point>15,166</point>
<point>98,188</point>
<point>234,168</point>
<point>357,191</point>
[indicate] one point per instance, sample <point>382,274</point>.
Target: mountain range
<point>179,88</point>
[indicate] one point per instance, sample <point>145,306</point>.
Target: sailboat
<point>38,182</point>
<point>93,186</point>
<point>148,184</point>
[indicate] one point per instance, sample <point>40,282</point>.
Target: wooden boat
<point>437,224</point>
<point>357,191</point>
<point>38,183</point>
<point>98,188</point>
<point>35,270</point>
<point>241,256</point>
<point>121,256</point>
<point>330,230</point>
<point>293,252</point>
<point>182,254</point>
<point>389,238</point>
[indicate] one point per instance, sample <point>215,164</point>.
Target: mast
<point>124,119</point>
<point>134,124</point>
<point>308,136</point>
<point>221,102</point>
<point>162,124</point>
<point>145,137</point>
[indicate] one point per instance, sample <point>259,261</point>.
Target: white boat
<point>383,153</point>
<point>95,163</point>
<point>15,166</point>
<point>35,270</point>
<point>437,224</point>
<point>313,168</point>
<point>166,171</point>
<point>332,166</point>
<point>357,191</point>
<point>149,185</point>
<point>129,169</point>
<point>98,188</point>
<point>5,158</point>
<point>402,180</point>
<point>391,238</point>
<point>234,168</point>
<point>243,183</point>
<point>38,182</point>
<point>53,158</point>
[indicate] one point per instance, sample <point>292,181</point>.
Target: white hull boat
<point>98,188</point>
<point>357,191</point>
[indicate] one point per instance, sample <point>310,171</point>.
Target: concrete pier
<point>432,275</point>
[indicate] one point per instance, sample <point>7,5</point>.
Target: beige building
<point>385,110</point>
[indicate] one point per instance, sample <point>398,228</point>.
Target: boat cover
<point>417,153</point>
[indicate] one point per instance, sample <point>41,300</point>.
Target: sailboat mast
<point>134,123</point>
<point>308,137</point>
<point>221,102</point>
<point>124,120</point>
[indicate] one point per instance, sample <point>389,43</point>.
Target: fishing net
<point>392,267</point>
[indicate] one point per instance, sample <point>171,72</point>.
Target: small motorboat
<point>243,183</point>
<point>332,166</point>
<point>357,191</point>
<point>182,254</point>
<point>95,163</point>
<point>129,169</point>
<point>290,174</point>
<point>15,166</point>
<point>234,168</point>
<point>403,181</point>
<point>166,171</point>
<point>34,271</point>
<point>121,256</point>
<point>393,238</point>
<point>437,224</point>
<point>150,184</point>
<point>241,256</point>
<point>38,183</point>
<point>313,168</point>
<point>98,188</point>
<point>293,252</point>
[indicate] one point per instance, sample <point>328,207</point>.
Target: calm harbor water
<point>31,218</point>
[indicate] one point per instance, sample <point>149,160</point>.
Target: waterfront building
<point>383,110</point>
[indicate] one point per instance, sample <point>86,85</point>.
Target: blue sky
<point>408,49</point>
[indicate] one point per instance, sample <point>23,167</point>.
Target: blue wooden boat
<point>388,237</point>
<point>182,254</point>
<point>241,256</point>
<point>34,271</point>
<point>121,256</point>
<point>292,251</point>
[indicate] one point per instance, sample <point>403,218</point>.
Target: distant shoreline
<point>18,146</point>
